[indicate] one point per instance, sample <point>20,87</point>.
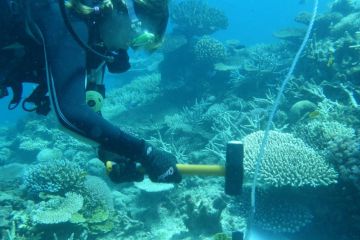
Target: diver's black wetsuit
<point>66,82</point>
<point>66,63</point>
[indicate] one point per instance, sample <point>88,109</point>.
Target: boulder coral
<point>344,152</point>
<point>208,50</point>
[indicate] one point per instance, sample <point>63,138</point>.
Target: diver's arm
<point>67,65</point>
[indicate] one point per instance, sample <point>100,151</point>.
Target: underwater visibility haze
<point>216,78</point>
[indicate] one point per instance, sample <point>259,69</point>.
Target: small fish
<point>314,114</point>
<point>83,174</point>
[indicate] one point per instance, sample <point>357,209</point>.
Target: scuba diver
<point>66,45</point>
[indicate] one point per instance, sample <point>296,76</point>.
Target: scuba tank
<point>11,21</point>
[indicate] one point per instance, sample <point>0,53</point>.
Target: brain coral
<point>288,161</point>
<point>195,17</point>
<point>209,50</point>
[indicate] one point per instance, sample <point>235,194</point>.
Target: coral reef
<point>97,193</point>
<point>349,23</point>
<point>173,42</point>
<point>148,186</point>
<point>208,50</point>
<point>29,144</point>
<point>283,217</point>
<point>11,175</point>
<point>344,152</point>
<point>290,34</point>
<point>343,6</point>
<point>57,209</point>
<point>231,219</point>
<point>202,218</point>
<point>36,136</point>
<point>142,90</point>
<point>89,206</point>
<point>95,167</point>
<point>47,154</point>
<point>318,132</point>
<point>205,93</point>
<point>196,17</point>
<point>58,176</point>
<point>300,108</point>
<point>5,154</point>
<point>288,161</point>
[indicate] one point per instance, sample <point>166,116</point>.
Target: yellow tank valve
<point>95,100</point>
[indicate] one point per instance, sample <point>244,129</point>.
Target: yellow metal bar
<point>189,169</point>
<point>204,170</point>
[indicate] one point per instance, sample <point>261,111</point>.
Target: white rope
<point>273,112</point>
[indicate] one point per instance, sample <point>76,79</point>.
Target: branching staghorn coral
<point>178,150</point>
<point>190,118</point>
<point>138,92</point>
<point>230,125</point>
<point>334,111</point>
<point>322,51</point>
<point>83,236</point>
<point>264,59</point>
<point>350,91</point>
<point>357,44</point>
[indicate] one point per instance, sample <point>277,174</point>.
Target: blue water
<point>251,22</point>
<point>10,117</point>
<point>254,21</point>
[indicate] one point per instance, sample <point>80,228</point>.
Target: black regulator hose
<point>71,30</point>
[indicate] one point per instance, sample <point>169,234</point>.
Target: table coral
<point>195,17</point>
<point>57,209</point>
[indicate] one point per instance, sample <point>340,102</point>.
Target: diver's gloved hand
<point>125,172</point>
<point>160,166</point>
<point>120,169</point>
